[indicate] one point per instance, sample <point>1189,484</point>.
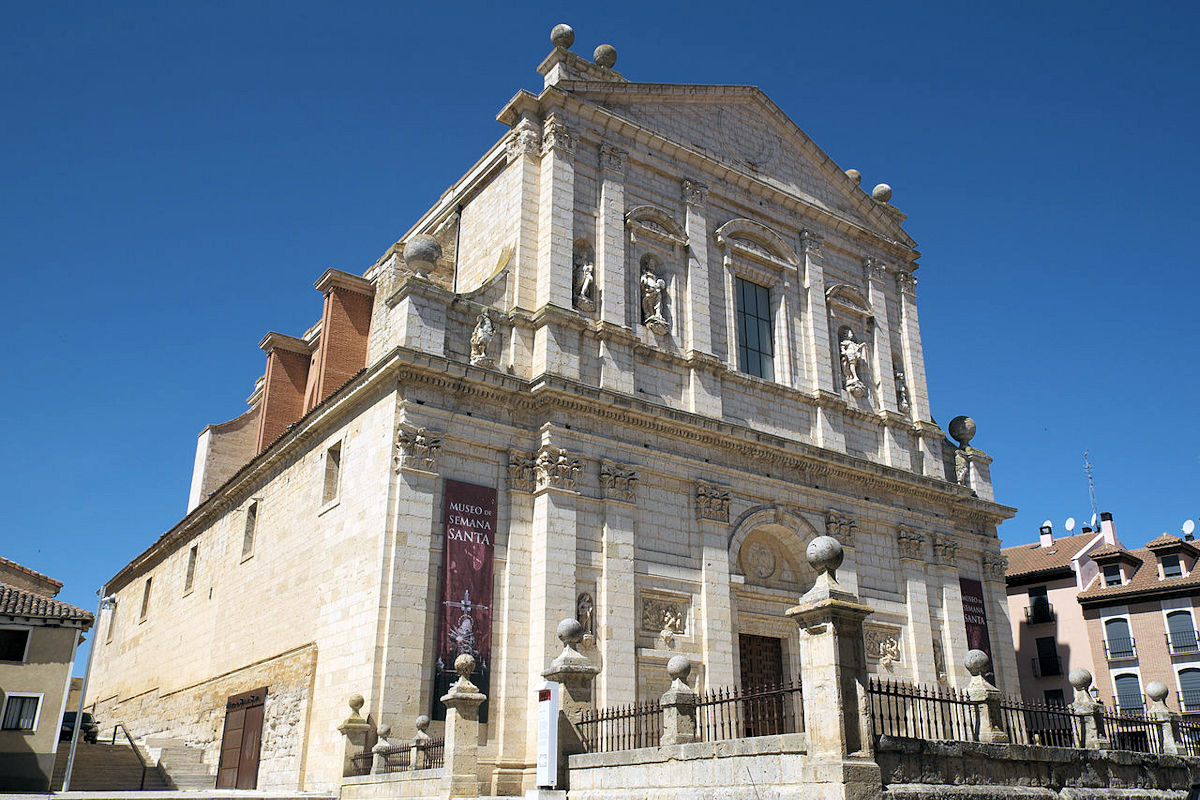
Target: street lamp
<point>105,602</point>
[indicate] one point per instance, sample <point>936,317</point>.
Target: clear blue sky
<point>176,175</point>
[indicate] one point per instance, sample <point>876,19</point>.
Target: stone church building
<point>647,347</point>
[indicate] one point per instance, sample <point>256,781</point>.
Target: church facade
<point>649,346</point>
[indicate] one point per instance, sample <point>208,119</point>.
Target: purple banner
<point>975,617</point>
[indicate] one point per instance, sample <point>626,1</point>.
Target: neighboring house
<point>1048,629</point>
<point>1141,619</point>
<point>38,640</point>
<point>626,369</point>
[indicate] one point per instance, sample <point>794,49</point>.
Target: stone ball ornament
<point>570,631</point>
<point>963,430</point>
<point>679,667</point>
<point>976,662</point>
<point>421,252</point>
<point>562,35</point>
<point>356,702</point>
<point>825,553</point>
<point>854,175</point>
<point>1080,678</point>
<point>882,192</point>
<point>1156,691</point>
<point>423,722</point>
<point>605,55</point>
<point>384,731</point>
<point>464,664</point>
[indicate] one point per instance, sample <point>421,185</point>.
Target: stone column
<point>986,698</point>
<point>617,616</point>
<point>704,390</point>
<point>828,427</point>
<point>616,352</point>
<point>885,380</point>
<point>910,341</point>
<point>954,624</point>
<point>910,543</point>
<point>678,705</point>
<point>833,659</point>
<point>462,731</point>
<point>716,604</point>
<point>1168,720</point>
<point>574,672</point>
<point>524,153</point>
<point>355,731</point>
<point>1087,711</point>
<point>379,752</point>
<point>556,337</point>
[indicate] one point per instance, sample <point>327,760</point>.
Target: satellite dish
<point>1094,521</point>
<point>1047,524</point>
<point>1069,524</point>
<point>1189,526</point>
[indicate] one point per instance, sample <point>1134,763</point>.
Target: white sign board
<point>547,735</point>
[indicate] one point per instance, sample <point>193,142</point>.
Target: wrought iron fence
<point>1029,722</point>
<point>1129,731</point>
<point>624,727</point>
<point>1189,736</point>
<point>744,713</point>
<point>908,711</point>
<point>431,754</point>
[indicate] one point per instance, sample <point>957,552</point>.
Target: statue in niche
<point>853,352</point>
<point>962,468</point>
<point>901,390</point>
<point>653,289</point>
<point>585,279</point>
<point>585,610</point>
<point>481,338</point>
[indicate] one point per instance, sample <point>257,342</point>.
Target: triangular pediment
<point>741,128</point>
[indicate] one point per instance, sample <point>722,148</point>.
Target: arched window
<point>1117,641</point>
<point>1181,632</point>
<point>1189,689</point>
<point>1129,693</point>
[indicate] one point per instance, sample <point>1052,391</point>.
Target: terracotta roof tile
<point>30,572</point>
<point>1027,558</point>
<point>1163,540</point>
<point>16,602</point>
<point>1145,580</point>
<point>1106,550</point>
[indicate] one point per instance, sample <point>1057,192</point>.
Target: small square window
<point>14,642</point>
<point>333,474</point>
<point>1171,567</point>
<point>21,712</point>
<point>1112,575</point>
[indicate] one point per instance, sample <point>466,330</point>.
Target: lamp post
<point>105,602</point>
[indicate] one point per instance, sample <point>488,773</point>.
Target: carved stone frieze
<point>712,502</point>
<point>883,644</point>
<point>557,469</point>
<point>945,549</point>
<point>522,472</point>
<point>910,542</point>
<point>694,192</point>
<point>613,158</point>
<point>556,135</point>
<point>618,481</point>
<point>840,527</point>
<point>416,449</point>
<point>760,560</point>
<point>664,615</point>
<point>995,566</point>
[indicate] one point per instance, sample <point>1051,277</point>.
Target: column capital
<point>906,282</point>
<point>694,192</point>
<point>416,449</point>
<point>613,158</point>
<point>910,542</point>
<point>874,269</point>
<point>618,481</point>
<point>812,244</point>
<point>526,141</point>
<point>558,137</point>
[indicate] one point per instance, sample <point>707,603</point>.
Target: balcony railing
<point>1191,699</point>
<point>1120,649</point>
<point>1130,704</point>
<point>1183,642</point>
<point>1039,613</point>
<point>1046,666</point>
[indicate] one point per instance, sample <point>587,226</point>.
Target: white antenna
<point>1087,467</point>
<point>1069,524</point>
<point>1189,526</point>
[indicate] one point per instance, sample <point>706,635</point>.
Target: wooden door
<point>762,670</point>
<point>241,740</point>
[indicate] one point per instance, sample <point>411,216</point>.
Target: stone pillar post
<point>986,698</point>
<point>355,731</point>
<point>678,705</point>
<point>1168,720</point>
<point>379,752</point>
<point>833,659</point>
<point>462,731</point>
<point>574,672</point>
<point>1087,710</point>
<point>420,743</point>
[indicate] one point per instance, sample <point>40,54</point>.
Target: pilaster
<point>617,684</point>
<point>910,340</point>
<point>556,209</point>
<point>716,603</point>
<point>885,381</point>
<point>616,353</point>
<point>524,154</point>
<point>820,366</point>
<point>911,545</point>
<point>698,331</point>
<point>954,626</point>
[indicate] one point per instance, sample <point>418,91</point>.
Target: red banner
<point>465,621</point>
<point>975,617</point>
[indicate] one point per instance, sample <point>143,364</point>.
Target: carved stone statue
<point>901,390</point>
<point>481,338</point>
<point>653,288</point>
<point>585,281</point>
<point>853,352</point>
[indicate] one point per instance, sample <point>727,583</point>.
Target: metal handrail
<point>134,748</point>
<point>1182,642</point>
<point>1039,612</point>
<point>1122,648</point>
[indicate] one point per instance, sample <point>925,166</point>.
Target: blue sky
<point>175,177</point>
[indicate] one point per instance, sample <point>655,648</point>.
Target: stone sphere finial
<point>1156,691</point>
<point>1080,678</point>
<point>963,430</point>
<point>825,554</point>
<point>679,667</point>
<point>570,632</point>
<point>356,702</point>
<point>882,192</point>
<point>976,662</point>
<point>421,252</point>
<point>562,35</point>
<point>605,55</point>
<point>423,723</point>
<point>854,175</point>
<point>465,664</point>
<point>384,731</point>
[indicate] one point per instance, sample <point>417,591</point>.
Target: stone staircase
<point>107,768</point>
<point>182,766</point>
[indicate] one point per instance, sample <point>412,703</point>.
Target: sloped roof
<point>1164,539</point>
<point>1144,580</point>
<point>10,564</point>
<point>16,602</point>
<point>1024,559</point>
<point>1107,551</point>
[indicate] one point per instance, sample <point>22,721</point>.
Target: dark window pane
<point>755,346</point>
<point>12,644</point>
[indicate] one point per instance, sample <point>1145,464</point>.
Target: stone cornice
<point>282,341</point>
<point>335,278</point>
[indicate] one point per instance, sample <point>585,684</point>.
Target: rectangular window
<point>1112,575</point>
<point>112,624</point>
<point>333,473</point>
<point>191,568</point>
<point>21,712</point>
<point>756,350</point>
<point>1053,697</point>
<point>1171,567</point>
<point>14,642</point>
<point>248,535</point>
<point>1046,663</point>
<point>145,600</point>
